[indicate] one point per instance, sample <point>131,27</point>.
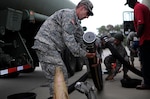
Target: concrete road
<point>36,82</point>
<point>23,83</point>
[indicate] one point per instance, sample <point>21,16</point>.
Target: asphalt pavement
<point>111,89</point>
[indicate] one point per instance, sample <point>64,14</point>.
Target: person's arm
<point>139,20</point>
<point>129,41</point>
<point>140,30</point>
<point>130,38</point>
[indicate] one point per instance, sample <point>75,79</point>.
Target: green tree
<point>104,30</point>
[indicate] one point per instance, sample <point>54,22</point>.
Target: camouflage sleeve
<point>79,37</point>
<point>122,51</point>
<point>69,29</point>
<point>130,40</point>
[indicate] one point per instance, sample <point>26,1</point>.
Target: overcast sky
<point>105,12</point>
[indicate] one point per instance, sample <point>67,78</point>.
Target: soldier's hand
<point>97,64</point>
<point>90,55</point>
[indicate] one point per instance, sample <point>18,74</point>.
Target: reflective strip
<point>3,72</point>
<point>11,70</point>
<point>19,68</point>
<point>14,69</point>
<point>26,66</point>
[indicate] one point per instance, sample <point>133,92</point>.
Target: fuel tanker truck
<point>19,22</point>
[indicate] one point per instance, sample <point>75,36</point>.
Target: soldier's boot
<point>110,75</point>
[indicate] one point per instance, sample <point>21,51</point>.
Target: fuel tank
<point>20,20</point>
<point>45,7</point>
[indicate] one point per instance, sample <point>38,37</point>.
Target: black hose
<point>71,88</point>
<point>121,59</point>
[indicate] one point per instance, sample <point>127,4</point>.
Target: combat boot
<point>110,75</point>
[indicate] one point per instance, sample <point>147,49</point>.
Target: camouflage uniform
<point>57,33</point>
<point>110,59</point>
<point>122,51</point>
<point>132,44</point>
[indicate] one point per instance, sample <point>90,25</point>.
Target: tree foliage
<point>109,29</point>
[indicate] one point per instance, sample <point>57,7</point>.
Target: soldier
<point>112,69</point>
<point>133,46</point>
<point>56,34</point>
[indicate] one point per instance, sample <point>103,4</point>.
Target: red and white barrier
<point>14,69</point>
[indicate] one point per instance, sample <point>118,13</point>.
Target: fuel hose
<point>121,59</point>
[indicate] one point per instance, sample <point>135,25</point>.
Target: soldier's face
<point>84,13</point>
<point>116,41</point>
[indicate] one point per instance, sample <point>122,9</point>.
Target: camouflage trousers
<point>48,62</point>
<point>108,63</point>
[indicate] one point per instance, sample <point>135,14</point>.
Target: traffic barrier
<point>14,69</point>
